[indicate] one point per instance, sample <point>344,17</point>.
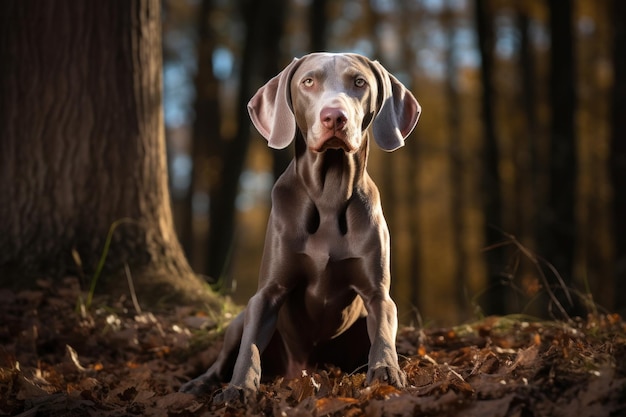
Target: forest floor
<point>113,360</point>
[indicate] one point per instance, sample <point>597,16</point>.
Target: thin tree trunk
<point>206,139</point>
<point>82,145</point>
<point>526,153</point>
<point>317,25</point>
<point>233,154</point>
<point>273,65</point>
<point>558,226</point>
<point>457,170</point>
<point>495,303</point>
<point>411,279</point>
<point>618,148</point>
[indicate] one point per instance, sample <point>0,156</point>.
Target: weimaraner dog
<point>323,294</point>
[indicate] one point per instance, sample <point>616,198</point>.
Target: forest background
<point>509,191</point>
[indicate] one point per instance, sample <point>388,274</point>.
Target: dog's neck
<point>331,177</point>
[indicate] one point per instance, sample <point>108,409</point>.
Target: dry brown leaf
<point>525,358</point>
<point>28,389</point>
<point>331,405</point>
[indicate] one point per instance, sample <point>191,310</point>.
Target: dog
<point>323,293</point>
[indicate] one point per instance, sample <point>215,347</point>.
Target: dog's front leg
<point>259,324</point>
<point>223,364</point>
<point>382,314</point>
<point>382,325</point>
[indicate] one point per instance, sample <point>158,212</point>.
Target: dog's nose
<point>333,118</point>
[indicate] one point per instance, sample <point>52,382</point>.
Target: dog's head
<point>333,99</point>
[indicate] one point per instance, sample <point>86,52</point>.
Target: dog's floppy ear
<point>270,109</point>
<point>398,111</point>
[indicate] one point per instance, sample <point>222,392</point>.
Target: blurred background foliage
<point>508,192</point>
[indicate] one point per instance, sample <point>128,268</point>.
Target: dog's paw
<point>233,395</point>
<point>193,387</point>
<point>390,375</point>
<point>198,386</point>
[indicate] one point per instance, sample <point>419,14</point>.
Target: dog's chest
<point>327,265</point>
<point>323,254</point>
<point>331,266</point>
<point>330,242</point>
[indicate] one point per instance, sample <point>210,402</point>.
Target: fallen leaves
<point>56,359</point>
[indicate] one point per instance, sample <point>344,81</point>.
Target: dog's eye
<point>308,82</point>
<point>359,82</point>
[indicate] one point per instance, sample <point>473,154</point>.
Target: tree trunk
<point>232,153</point>
<point>413,151</point>
<point>495,304</point>
<point>206,137</point>
<point>457,167</point>
<point>558,227</point>
<point>318,22</point>
<point>618,148</point>
<point>82,146</point>
<point>526,143</point>
<point>281,158</point>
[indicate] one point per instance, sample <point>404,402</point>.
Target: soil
<point>60,358</point>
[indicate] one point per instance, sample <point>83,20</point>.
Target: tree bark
<point>82,146</point>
